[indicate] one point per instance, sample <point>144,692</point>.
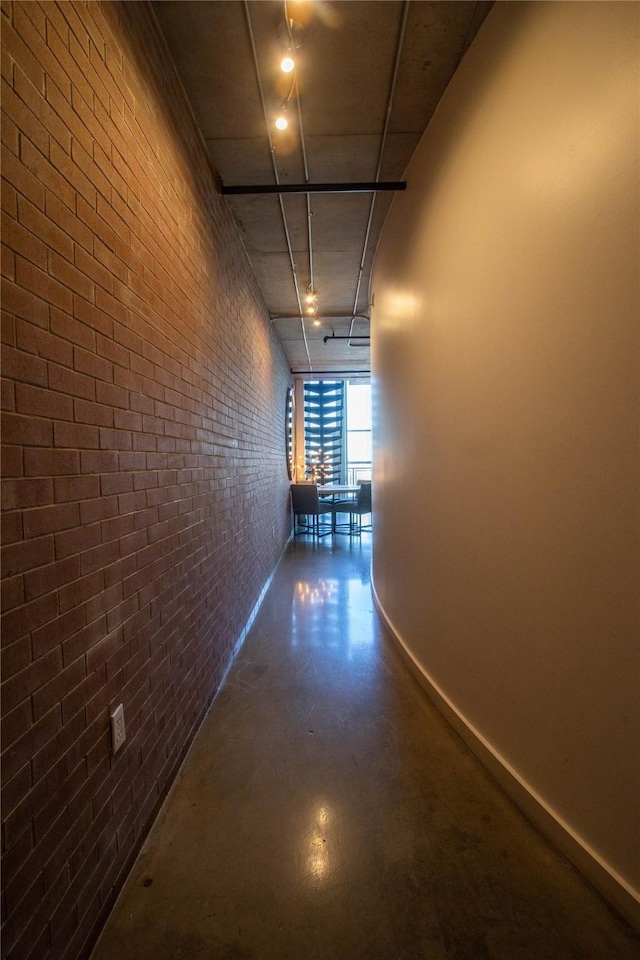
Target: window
<point>337,431</point>
<point>324,430</point>
<point>358,432</point>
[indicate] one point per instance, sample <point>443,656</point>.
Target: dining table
<point>337,490</point>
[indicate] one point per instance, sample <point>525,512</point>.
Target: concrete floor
<point>327,812</point>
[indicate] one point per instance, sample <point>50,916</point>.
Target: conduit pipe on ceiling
<point>400,41</point>
<point>312,285</point>
<point>277,179</point>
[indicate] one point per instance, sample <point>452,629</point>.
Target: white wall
<point>505,372</point>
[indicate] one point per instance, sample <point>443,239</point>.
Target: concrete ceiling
<point>344,95</point>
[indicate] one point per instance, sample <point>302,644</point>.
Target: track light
<point>281,122</point>
<point>287,64</point>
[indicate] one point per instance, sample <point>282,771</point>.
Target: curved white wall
<point>505,371</point>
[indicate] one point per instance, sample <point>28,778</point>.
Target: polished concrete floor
<point>327,812</point>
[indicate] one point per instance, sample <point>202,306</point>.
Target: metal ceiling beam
<point>353,336</point>
<point>361,187</point>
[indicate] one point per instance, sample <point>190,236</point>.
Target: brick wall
<point>145,488</point>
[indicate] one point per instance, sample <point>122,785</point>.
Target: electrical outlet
<point>118,735</point>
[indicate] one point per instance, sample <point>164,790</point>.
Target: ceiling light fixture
<point>290,35</point>
<point>311,300</point>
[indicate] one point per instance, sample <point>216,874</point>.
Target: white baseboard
<point>619,894</point>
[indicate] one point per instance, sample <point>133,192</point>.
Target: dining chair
<point>306,503</point>
<point>355,508</point>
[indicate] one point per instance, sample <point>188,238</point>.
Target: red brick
<point>58,745</point>
<point>68,328</point>
<point>57,630</point>
<point>51,576</point>
<point>70,542</point>
<point>21,53</point>
<point>72,174</point>
<point>78,644</point>
<point>51,519</point>
<point>98,557</point>
<point>76,488</point>
<point>116,483</point>
<point>111,261</point>
<point>17,494</point>
<point>110,395</point>
<point>35,340</point>
<point>46,118</point>
<point>12,594</point>
<point>10,132</point>
<point>19,239</point>
<point>45,228</point>
<point>70,276</point>
<point>23,684</point>
<point>76,435</point>
<point>98,226</point>
<point>16,856</point>
<point>8,393</point>
<point>111,305</point>
<point>62,216</point>
<point>92,365</point>
<point>92,172</point>
<point>29,431</point>
<point>25,181</point>
<point>32,278</point>
<point>98,461</point>
<point>24,303</point>
<point>57,688</point>
<point>43,463</point>
<point>16,656</point>
<point>117,527</point>
<point>11,526</point>
<point>96,413</point>
<point>27,554</point>
<point>59,101</point>
<point>115,440</point>
<point>47,173</point>
<point>9,329</point>
<point>14,790</point>
<point>28,618</point>
<point>127,420</point>
<point>63,380</point>
<point>42,403</point>
<point>12,461</point>
<point>18,365</point>
<point>92,268</point>
<point>101,651</point>
<point>76,700</point>
<point>93,316</point>
<point>7,264</point>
